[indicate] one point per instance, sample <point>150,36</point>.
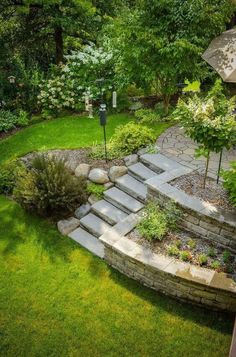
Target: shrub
<point>178,243</point>
<point>9,121</point>
<point>129,138</point>
<point>96,189</point>
<point>48,187</point>
<point>185,255</point>
<point>211,253</point>
<point>173,250</point>
<point>146,116</point>
<point>156,222</point>
<point>191,243</point>
<point>226,256</point>
<point>229,183</point>
<point>202,259</point>
<point>216,265</point>
<point>7,178</point>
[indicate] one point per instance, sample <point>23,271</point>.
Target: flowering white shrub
<point>79,77</point>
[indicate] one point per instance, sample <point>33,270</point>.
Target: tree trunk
<point>166,103</point>
<point>58,36</point>
<point>206,171</point>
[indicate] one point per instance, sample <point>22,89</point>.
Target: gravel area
<point>195,246</point>
<point>75,157</point>
<point>214,193</point>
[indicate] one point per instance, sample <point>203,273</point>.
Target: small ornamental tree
<point>211,128</point>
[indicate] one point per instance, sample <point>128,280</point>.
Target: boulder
<point>82,210</point>
<point>66,226</point>
<point>82,170</point>
<point>117,171</point>
<point>98,176</point>
<point>108,185</point>
<point>131,159</point>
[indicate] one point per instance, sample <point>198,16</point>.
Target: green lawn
<point>56,299</point>
<point>64,133</point>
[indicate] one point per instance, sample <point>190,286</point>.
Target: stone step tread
<point>132,186</point>
<point>94,224</point>
<point>140,171</point>
<point>159,162</point>
<point>108,212</point>
<point>88,241</point>
<point>122,200</point>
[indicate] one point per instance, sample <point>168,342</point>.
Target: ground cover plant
<point>55,298</point>
<point>229,183</point>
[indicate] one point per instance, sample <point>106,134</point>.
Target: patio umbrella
<point>221,55</point>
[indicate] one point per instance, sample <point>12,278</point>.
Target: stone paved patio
<point>177,146</point>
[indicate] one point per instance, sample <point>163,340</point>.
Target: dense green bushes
<point>229,177</point>
<point>9,121</point>
<point>48,188</point>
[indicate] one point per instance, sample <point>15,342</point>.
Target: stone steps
<point>122,200</point>
<point>159,162</point>
<point>141,172</point>
<point>88,241</point>
<point>94,225</point>
<point>108,212</point>
<point>132,187</point>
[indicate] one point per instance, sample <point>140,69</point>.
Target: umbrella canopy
<point>221,55</point>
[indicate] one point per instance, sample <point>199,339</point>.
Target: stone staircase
<point>127,197</point>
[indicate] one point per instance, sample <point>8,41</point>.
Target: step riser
<point>90,230</point>
<point>94,225</point>
<point>103,216</point>
<point>139,178</point>
<point>130,192</point>
<point>117,204</point>
<point>154,168</point>
<point>88,241</point>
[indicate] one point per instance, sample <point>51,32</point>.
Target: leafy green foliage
<point>96,189</point>
<point>229,183</point>
<point>226,256</point>
<point>173,250</point>
<point>191,243</point>
<point>8,177</point>
<point>202,259</point>
<point>211,253</point>
<point>157,222</point>
<point>146,116</point>
<point>131,137</point>
<point>9,121</point>
<point>185,255</point>
<point>48,187</point>
<point>216,265</point>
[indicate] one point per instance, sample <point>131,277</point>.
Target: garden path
<point>177,146</point>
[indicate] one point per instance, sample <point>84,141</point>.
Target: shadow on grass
<point>219,321</point>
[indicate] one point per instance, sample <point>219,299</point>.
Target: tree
<point>160,43</point>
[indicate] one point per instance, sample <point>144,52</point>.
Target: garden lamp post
<point>103,121</point>
<point>12,79</point>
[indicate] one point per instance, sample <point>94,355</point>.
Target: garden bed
<point>184,246</point>
<point>75,157</point>
<point>214,193</point>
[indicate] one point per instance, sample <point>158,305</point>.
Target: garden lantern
<point>103,121</point>
<point>12,79</point>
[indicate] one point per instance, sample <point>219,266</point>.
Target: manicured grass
<point>64,133</point>
<point>56,299</point>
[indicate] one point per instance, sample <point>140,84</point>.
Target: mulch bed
<point>75,157</point>
<point>188,242</point>
<point>214,193</point>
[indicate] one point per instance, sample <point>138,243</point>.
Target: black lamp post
<point>102,114</point>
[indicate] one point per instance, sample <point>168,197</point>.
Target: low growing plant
<point>202,259</point>
<point>48,188</point>
<point>191,243</point>
<point>156,221</point>
<point>173,250</point>
<point>146,116</point>
<point>185,255</point>
<point>96,189</point>
<point>211,253</point>
<point>216,265</point>
<point>229,183</point>
<point>226,256</point>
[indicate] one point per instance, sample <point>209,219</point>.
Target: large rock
<point>131,159</point>
<point>98,176</point>
<point>82,170</point>
<point>117,171</point>
<point>66,226</point>
<point>82,210</point>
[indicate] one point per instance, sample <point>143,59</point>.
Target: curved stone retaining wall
<point>183,281</point>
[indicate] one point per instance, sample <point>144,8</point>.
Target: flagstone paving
<point>175,145</point>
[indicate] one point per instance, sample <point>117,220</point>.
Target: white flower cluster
<point>77,79</point>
